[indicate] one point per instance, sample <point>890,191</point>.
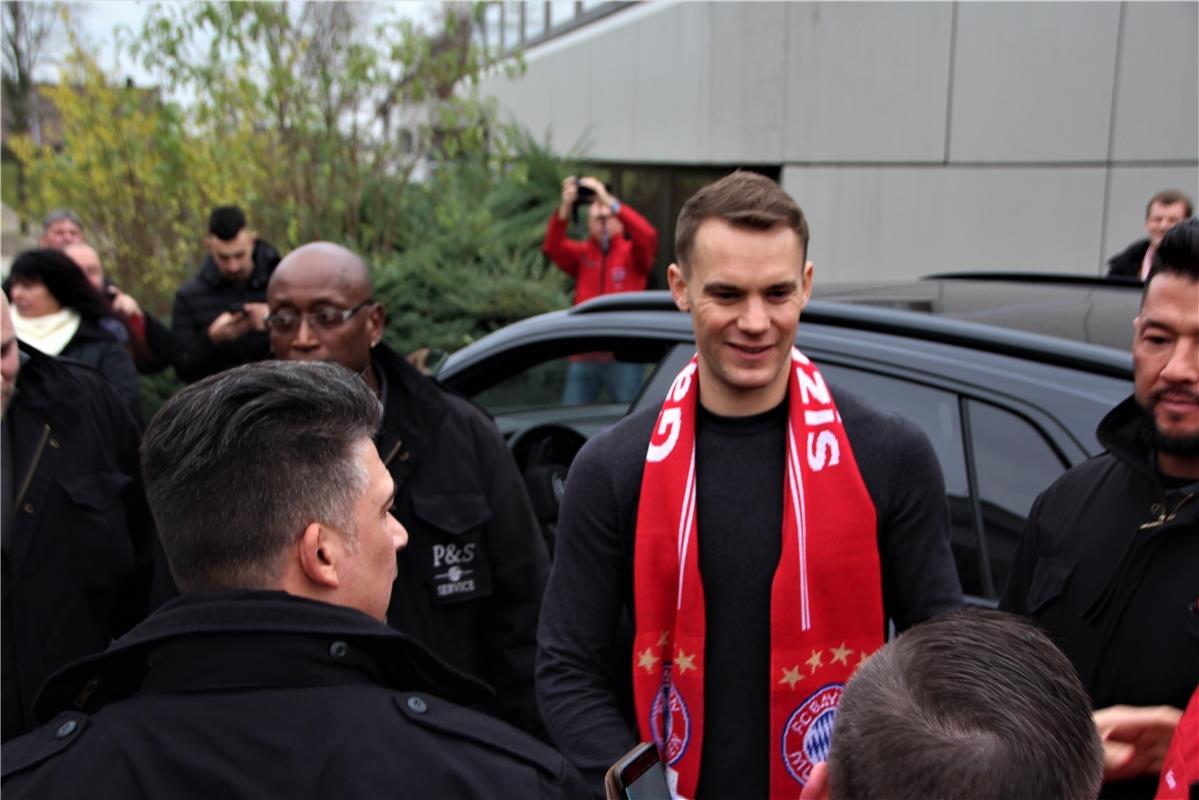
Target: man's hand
<point>1135,739</point>
<point>232,325</point>
<point>123,305</point>
<point>570,193</point>
<point>258,312</point>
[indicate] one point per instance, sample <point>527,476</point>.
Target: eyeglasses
<point>323,319</point>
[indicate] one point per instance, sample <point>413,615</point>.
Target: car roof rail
<point>977,336</point>
<point>658,300</point>
<point>1037,277</point>
<point>988,338</point>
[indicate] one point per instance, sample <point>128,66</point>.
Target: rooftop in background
<point>509,26</point>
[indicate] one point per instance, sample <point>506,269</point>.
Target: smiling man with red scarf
<point>725,562</point>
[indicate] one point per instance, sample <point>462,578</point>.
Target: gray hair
<point>60,214</point>
<point>238,464</point>
<point>977,704</point>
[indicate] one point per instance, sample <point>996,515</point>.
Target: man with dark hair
<point>607,261</point>
<point>973,704</point>
<point>78,543</point>
<point>60,228</point>
<point>1108,560</point>
<point>217,318</point>
<point>474,571</point>
<point>756,572</point>
<point>1164,211</point>
<point>273,675</point>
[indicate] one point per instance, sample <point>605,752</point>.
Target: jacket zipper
<point>1165,515</point>
<point>37,456</point>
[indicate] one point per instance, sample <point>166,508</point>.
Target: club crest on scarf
<point>670,721</point>
<point>809,731</point>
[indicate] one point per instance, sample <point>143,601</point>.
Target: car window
<point>1013,462</point>
<point>581,379</point>
<point>936,412</point>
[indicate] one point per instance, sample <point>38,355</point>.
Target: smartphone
<point>237,308</point>
<point>638,775</point>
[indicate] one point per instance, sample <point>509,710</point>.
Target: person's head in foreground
<point>973,704</point>
<point>266,477</point>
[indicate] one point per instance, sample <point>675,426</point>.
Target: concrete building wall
<point>917,136</point>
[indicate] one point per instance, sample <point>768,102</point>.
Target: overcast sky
<point>99,19</point>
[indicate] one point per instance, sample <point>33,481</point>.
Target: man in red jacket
<point>607,261</point>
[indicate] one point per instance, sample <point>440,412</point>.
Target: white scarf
<point>50,333</point>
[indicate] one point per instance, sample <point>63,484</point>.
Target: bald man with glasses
<point>471,579</point>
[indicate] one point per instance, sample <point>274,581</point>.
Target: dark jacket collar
<point>1123,433</point>
<point>280,640</point>
<point>413,405</point>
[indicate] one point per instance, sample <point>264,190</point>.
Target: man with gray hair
<point>973,703</point>
<point>60,228</point>
<point>273,675</point>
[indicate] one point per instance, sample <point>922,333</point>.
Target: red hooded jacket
<point>624,269</point>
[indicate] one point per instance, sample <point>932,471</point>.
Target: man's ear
<point>319,554</point>
<point>375,318</point>
<point>817,786</point>
<point>678,287</point>
<point>808,270</point>
<point>208,237</point>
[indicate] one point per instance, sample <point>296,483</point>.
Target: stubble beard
<point>1182,446</point>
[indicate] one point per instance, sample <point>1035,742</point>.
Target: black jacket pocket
<point>1049,580</point>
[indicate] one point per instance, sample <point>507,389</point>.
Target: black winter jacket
<point>471,578</point>
<point>78,543</point>
<point>1109,566</point>
<point>262,694</point>
<point>201,300</point>
<point>100,350</point>
<point>1127,263</point>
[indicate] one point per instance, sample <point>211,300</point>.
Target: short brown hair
<point>743,200</point>
<point>1168,198</point>
<point>974,703</point>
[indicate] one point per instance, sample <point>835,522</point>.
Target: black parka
<point>261,694</point>
<point>472,576</point>
<point>79,547</point>
<point>1108,565</point>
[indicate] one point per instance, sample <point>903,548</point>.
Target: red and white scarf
<point>826,599</point>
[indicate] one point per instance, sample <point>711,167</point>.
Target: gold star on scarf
<point>647,660</point>
<point>664,639</point>
<point>842,654</point>
<point>791,676</point>
<point>685,661</point>
<point>814,661</point>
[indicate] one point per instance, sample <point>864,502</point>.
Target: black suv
<point>1006,410</point>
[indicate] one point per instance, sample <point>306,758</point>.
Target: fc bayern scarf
<point>826,611</point>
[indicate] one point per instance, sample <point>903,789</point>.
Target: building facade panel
<point>873,223</point>
<point>1157,85</point>
<point>1033,81</point>
<point>867,81</point>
